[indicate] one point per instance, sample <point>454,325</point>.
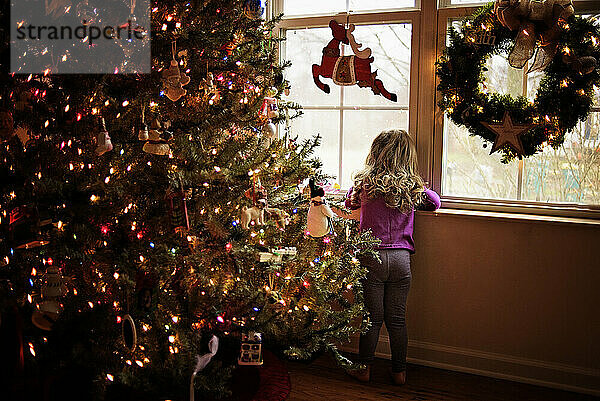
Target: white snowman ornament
<point>319,221</point>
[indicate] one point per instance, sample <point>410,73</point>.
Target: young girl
<point>387,191</point>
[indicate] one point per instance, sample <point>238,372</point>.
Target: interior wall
<point>508,298</point>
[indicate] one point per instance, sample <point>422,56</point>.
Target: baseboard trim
<point>499,366</point>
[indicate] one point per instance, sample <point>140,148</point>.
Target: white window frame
<point>429,27</point>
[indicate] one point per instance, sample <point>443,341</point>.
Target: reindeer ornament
<point>348,70</point>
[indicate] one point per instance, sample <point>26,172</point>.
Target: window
<point>349,117</point>
<point>569,174</point>
<point>406,36</point>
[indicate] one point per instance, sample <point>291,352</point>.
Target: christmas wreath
<point>566,48</point>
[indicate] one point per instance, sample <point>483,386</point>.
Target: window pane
<point>297,7</point>
<point>533,83</point>
<point>304,48</point>
<point>361,5</point>
<point>470,171</point>
<point>360,128</point>
<point>502,78</point>
<point>390,46</point>
<point>326,123</point>
<point>570,173</point>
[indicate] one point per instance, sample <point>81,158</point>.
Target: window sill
<point>534,212</point>
<point>551,211</point>
<point>524,217</point>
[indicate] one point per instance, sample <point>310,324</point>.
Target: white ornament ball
<point>270,130</point>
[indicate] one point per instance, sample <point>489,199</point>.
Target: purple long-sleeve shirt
<point>392,227</point>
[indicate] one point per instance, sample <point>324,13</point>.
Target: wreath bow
<point>535,20</point>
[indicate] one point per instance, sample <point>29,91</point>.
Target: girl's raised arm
<point>432,201</point>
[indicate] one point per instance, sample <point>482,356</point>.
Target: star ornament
<point>508,133</point>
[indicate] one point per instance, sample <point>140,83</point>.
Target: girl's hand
<point>345,214</point>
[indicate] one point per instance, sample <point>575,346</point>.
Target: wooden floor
<point>323,380</point>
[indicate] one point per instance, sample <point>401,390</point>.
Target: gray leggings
<point>386,288</point>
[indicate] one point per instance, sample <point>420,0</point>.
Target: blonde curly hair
<point>391,172</point>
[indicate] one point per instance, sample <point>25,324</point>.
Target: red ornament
<point>348,70</point>
<point>269,108</point>
<point>257,192</point>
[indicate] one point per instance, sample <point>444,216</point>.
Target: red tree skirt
<point>269,382</point>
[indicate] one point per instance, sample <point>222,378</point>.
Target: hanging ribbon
<point>528,16</point>
<point>202,361</point>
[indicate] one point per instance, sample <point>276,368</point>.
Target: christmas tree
<point>148,217</point>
